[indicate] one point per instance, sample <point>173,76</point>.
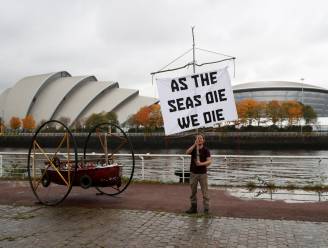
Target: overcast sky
<point>126,40</point>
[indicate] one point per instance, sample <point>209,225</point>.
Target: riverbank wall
<point>232,140</point>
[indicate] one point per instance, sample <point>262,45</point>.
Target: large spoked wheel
<point>108,145</point>
<point>52,162</point>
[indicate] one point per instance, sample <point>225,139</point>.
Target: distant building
<point>56,95</point>
<point>316,97</point>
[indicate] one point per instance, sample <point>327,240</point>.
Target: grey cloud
<point>126,40</point>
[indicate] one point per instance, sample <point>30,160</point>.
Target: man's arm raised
<point>206,163</point>
<point>190,149</point>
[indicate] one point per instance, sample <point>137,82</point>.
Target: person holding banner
<point>200,160</point>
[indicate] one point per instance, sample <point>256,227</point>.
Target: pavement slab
<point>35,226</point>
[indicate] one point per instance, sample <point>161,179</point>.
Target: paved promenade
<point>98,227</point>
<point>151,215</point>
<point>172,198</point>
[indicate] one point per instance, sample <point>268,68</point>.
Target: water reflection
<point>214,150</point>
<point>288,196</point>
<point>218,151</point>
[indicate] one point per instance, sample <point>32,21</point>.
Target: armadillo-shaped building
<point>57,95</point>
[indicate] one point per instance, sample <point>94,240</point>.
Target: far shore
<point>230,140</point>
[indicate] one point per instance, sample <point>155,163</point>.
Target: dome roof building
<point>314,96</point>
<point>57,95</point>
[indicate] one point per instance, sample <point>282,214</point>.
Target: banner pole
<point>193,50</point>
<point>194,70</point>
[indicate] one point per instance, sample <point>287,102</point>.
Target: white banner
<point>194,101</point>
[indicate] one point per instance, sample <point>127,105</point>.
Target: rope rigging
<point>221,57</point>
<point>163,70</point>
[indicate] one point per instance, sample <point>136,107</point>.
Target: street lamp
<point>302,80</point>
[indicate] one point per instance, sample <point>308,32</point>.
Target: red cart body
<point>87,176</point>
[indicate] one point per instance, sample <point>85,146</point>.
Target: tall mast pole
<point>194,70</point>
<point>193,50</point>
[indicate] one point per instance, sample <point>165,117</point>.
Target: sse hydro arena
<point>60,95</point>
<point>316,97</point>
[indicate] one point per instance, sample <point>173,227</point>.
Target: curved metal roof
<point>81,98</point>
<point>132,105</point>
<point>54,94</point>
<point>24,93</point>
<point>107,101</point>
<point>275,84</point>
<point>3,98</point>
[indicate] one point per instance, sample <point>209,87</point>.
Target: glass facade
<point>317,99</point>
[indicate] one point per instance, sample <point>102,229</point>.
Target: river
<point>239,170</point>
<point>284,152</point>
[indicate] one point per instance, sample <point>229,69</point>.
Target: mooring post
<point>319,172</point>
<point>226,169</point>
<point>1,167</point>
<point>183,169</point>
<point>142,167</point>
<point>271,169</point>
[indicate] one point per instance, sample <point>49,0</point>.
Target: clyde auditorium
<point>56,95</point>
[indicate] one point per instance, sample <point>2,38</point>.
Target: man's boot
<point>192,209</point>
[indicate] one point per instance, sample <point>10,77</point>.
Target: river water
<point>215,151</point>
<point>285,152</point>
<point>232,171</point>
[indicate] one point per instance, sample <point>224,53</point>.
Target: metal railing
<point>215,134</point>
<point>228,170</point>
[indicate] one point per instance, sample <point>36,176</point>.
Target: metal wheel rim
<point>130,148</point>
<point>29,164</point>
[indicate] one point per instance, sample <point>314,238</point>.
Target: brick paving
<point>38,226</point>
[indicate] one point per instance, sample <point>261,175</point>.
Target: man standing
<point>200,160</point>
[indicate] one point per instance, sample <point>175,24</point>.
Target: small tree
<point>259,112</point>
<point>28,123</point>
<point>112,117</point>
<point>309,115</point>
<point>142,116</point>
<point>65,120</point>
<point>99,118</point>
<point>2,126</point>
<point>130,122</point>
<point>15,123</point>
<point>94,120</point>
<point>241,110</point>
<point>273,111</point>
<point>292,111</point>
<point>155,117</point>
<point>249,110</point>
<point>78,125</point>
